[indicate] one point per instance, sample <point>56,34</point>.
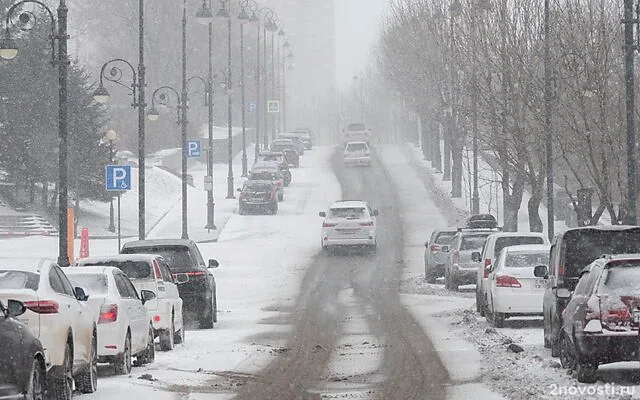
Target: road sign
<point>273,106</point>
<point>194,148</point>
<point>118,178</point>
<point>252,107</point>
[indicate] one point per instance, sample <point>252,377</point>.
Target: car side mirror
<point>475,256</point>
<point>81,295</point>
<point>444,249</point>
<point>426,244</point>
<point>15,308</point>
<point>541,271</point>
<point>489,268</point>
<point>146,295</point>
<point>322,214</point>
<point>213,263</point>
<point>563,293</point>
<point>375,213</point>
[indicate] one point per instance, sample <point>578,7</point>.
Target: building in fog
<point>311,85</point>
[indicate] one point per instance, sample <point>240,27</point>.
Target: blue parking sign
<point>194,149</point>
<point>118,178</point>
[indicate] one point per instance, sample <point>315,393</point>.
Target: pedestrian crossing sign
<point>273,106</point>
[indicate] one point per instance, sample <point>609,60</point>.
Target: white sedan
<point>125,329</point>
<point>349,223</point>
<point>357,153</point>
<point>513,288</point>
<point>58,315</point>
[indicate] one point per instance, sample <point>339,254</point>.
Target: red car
<point>258,196</point>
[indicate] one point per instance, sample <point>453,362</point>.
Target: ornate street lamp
<point>59,36</point>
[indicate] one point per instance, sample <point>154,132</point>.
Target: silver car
<point>460,269</point>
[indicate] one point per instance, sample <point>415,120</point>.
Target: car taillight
<point>434,248</point>
<point>158,274</point>
<point>507,281</point>
<point>328,225</point>
<point>370,223</point>
<point>108,313</point>
<point>42,306</point>
<point>487,262</point>
<point>455,257</point>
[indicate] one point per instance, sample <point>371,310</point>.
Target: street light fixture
<point>101,95</point>
<point>9,50</point>
<point>205,17</point>
<point>225,12</point>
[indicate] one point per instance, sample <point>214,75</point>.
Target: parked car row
<point>585,285</point>
<point>271,173</point>
<point>59,323</point>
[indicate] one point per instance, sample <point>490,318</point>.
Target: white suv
<point>151,272</point>
<point>56,314</point>
<point>349,223</point>
<point>357,153</point>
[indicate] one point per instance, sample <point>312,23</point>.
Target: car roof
<point>529,247</point>
<point>348,204</point>
<point>159,242</point>
<point>121,257</point>
<point>270,153</point>
<point>265,164</point>
<point>31,264</point>
<point>259,181</point>
<point>282,140</point>
<point>356,142</point>
<point>600,228</point>
<point>517,234</point>
<point>91,270</point>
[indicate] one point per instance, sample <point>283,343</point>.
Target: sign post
<point>118,179</point>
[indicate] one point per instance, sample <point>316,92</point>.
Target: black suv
<point>198,286</point>
<point>571,251</point>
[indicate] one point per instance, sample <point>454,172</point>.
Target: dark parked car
<point>258,196</point>
<point>292,157</point>
<point>297,141</point>
<point>279,158</point>
<point>22,365</point>
<point>571,251</point>
<point>305,135</point>
<point>601,320</point>
<point>434,256</point>
<point>198,293</point>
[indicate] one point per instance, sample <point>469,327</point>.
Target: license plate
<point>347,231</point>
<point>636,316</point>
<point>540,284</point>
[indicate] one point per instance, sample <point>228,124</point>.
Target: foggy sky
<point>357,24</point>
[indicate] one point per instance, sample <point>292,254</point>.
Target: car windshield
<point>621,279</point>
<point>585,245</point>
<point>348,213</point>
<point>272,157</point>
<point>522,259</point>
<point>473,242</point>
<point>177,257</point>
<point>352,147</point>
<point>503,242</point>
<point>10,279</point>
<point>95,284</point>
<point>132,269</point>
<point>356,127</point>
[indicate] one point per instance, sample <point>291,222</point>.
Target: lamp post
<point>101,95</point>
<point>243,17</point>
<point>547,122</point>
<point>9,50</point>
<point>278,65</point>
<point>205,17</point>
<point>111,136</point>
<point>629,75</point>
<point>289,56</point>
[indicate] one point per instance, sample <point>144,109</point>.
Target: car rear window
<point>349,213</point>
<point>445,237</point>
<point>356,127</point>
<point>92,283</point>
<point>503,242</point>
<point>257,187</point>
<point>263,176</point>
<point>582,246</point>
<point>621,279</point>
<point>133,269</point>
<point>473,242</point>
<point>19,280</point>
<point>521,259</point>
<point>177,257</point>
<point>356,147</point>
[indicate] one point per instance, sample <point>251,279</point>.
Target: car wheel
<point>497,319</point>
<point>241,211</point>
<point>555,344</point>
<point>167,337</point>
<point>274,209</point>
<point>567,352</point>
<point>483,307</point>
<point>207,320</point>
<point>586,372</point>
<point>215,307</point>
<point>545,336</point>
<point>123,362</point>
<point>149,354</point>
<point>179,337</point>
<point>61,387</point>
<point>280,196</point>
<point>446,279</point>
<point>478,304</point>
<point>36,389</point>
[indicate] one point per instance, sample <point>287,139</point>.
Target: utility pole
<point>547,121</point>
<point>629,53</point>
